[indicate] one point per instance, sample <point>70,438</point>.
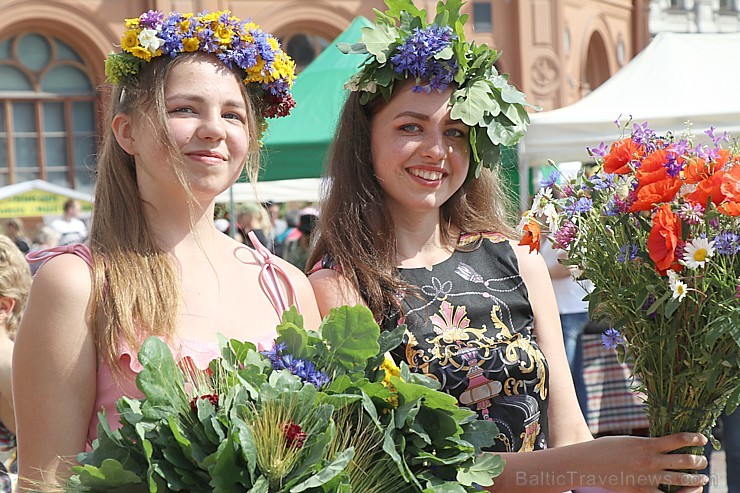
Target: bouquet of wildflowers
<point>655,229</point>
<point>321,412</point>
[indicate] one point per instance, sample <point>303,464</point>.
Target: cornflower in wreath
<point>655,230</point>
<point>401,45</point>
<point>268,71</point>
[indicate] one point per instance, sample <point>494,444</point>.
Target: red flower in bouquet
<point>531,235</point>
<point>708,189</point>
<point>663,240</point>
<point>620,156</point>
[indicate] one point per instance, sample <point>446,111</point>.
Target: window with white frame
<point>47,112</point>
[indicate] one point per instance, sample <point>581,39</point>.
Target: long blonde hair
<point>15,281</point>
<point>135,284</point>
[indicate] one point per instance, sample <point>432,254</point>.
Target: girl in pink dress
<point>187,108</point>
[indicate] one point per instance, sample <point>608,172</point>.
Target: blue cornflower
<point>550,180</point>
<point>727,243</point>
<point>416,57</point>
<point>611,338</point>
<point>627,252</point>
<point>583,204</point>
<point>303,369</point>
<point>602,182</point>
<point>209,40</point>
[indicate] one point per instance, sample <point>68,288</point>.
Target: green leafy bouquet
<point>322,411</point>
<point>655,228</point>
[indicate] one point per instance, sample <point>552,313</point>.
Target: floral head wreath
<point>401,45</point>
<point>270,72</point>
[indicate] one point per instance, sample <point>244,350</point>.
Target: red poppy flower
<point>531,236</point>
<point>620,155</point>
<point>730,209</point>
<point>655,193</point>
<point>708,188</point>
<point>663,240</point>
<point>730,186</point>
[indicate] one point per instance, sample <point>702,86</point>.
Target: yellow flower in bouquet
<point>655,229</point>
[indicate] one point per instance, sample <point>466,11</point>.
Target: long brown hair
<point>136,287</point>
<point>356,227</point>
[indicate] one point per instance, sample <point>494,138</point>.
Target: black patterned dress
<point>472,330</point>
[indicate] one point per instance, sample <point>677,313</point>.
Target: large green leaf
<point>326,473</point>
<point>351,334</point>
<point>482,471</point>
<point>378,40</point>
<point>471,102</point>
<point>161,381</point>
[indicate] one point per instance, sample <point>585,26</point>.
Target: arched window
<point>47,113</point>
<point>303,47</point>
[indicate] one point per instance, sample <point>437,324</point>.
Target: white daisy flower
<point>679,289</point>
<point>696,253</point>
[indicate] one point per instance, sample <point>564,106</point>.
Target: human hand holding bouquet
<point>656,231</point>
<point>320,412</point>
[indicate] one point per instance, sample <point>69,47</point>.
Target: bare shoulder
<point>332,290</point>
<point>303,291</point>
<point>66,277</point>
<point>531,264</point>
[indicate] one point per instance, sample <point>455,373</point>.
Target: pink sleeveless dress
<point>192,353</point>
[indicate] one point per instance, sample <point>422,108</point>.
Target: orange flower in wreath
<point>663,240</point>
<point>730,209</point>
<point>531,235</point>
<point>620,155</point>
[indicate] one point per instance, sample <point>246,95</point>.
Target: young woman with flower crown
<point>414,228</point>
<point>191,93</point>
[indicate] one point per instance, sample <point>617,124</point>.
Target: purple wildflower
<point>565,235</point>
<point>152,19</point>
<point>648,303</point>
<point>727,243</point>
<point>716,139</point>
<point>643,135</point>
<point>600,151</point>
<point>627,252</point>
<point>611,338</point>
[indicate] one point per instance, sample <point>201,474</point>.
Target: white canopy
<point>676,78</point>
<point>45,186</point>
<point>299,190</point>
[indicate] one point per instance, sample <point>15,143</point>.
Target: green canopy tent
<point>295,146</point>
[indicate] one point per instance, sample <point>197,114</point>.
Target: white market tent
<point>676,78</point>
<point>298,189</point>
<point>44,186</point>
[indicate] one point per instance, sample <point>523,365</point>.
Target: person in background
<point>297,250</point>
<point>730,426</point>
<point>15,282</point>
<point>180,128</point>
<point>46,237</point>
<point>278,226</point>
<point>252,218</point>
<point>70,227</point>
<point>416,227</point>
<point>14,231</point>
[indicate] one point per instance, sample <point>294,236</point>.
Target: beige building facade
<point>52,51</point>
